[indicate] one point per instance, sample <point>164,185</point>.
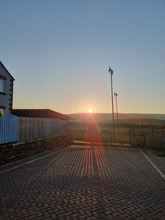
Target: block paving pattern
<point>84,183</point>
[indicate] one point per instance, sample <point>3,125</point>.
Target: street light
<point>111,72</point>
<point>116,103</point>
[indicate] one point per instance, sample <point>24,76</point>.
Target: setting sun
<point>90,110</point>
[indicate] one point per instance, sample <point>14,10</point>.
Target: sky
<point>59,52</point>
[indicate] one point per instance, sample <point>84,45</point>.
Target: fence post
<point>132,135</point>
<point>152,133</point>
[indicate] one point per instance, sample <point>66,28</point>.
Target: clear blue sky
<point>58,52</point>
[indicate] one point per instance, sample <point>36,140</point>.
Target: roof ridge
<point>39,113</point>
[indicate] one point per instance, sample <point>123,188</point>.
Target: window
<point>2,85</point>
<point>2,112</point>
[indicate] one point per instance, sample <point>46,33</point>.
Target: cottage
<point>6,90</point>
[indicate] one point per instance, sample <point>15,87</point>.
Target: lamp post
<point>116,103</point>
<point>111,72</point>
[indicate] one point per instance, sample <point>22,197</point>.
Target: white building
<point>6,90</point>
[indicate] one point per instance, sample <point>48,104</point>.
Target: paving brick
<point>94,183</point>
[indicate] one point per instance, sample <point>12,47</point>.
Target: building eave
<point>3,66</point>
<point>39,113</point>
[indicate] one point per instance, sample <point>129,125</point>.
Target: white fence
<point>32,129</point>
<point>26,130</point>
<point>9,128</point>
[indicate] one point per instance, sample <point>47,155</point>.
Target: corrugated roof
<point>39,113</point>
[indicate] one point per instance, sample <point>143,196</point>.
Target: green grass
<point>136,135</point>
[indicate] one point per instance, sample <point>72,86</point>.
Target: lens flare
<point>90,110</point>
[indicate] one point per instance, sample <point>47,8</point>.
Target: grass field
<point>143,132</point>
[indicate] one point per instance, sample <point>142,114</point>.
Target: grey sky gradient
<point>58,51</point>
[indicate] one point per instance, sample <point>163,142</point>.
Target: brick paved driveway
<point>84,183</point>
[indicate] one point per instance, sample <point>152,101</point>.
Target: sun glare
<point>90,110</point>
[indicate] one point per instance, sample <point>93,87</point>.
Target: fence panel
<point>33,129</point>
<point>9,127</point>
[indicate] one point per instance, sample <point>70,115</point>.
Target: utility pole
<point>116,102</point>
<point>111,72</point>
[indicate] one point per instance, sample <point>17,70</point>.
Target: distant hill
<point>125,117</point>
